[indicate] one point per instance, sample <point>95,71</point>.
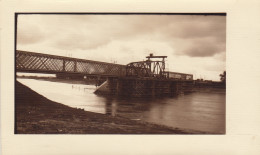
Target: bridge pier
<point>142,87</point>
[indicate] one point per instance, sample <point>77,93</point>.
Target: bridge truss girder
<point>44,63</point>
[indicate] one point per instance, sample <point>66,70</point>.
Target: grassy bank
<point>36,114</point>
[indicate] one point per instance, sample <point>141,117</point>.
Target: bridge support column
<point>153,87</point>
<point>177,87</point>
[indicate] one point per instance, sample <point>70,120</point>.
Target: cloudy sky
<point>194,44</point>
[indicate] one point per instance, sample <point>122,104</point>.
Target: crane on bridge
<point>147,68</point>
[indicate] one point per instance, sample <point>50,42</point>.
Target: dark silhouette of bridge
<point>31,62</point>
<point>143,78</point>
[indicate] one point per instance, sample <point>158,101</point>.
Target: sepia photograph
<point>129,77</point>
<point>120,73</point>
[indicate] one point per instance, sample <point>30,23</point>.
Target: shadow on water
<point>126,106</point>
<point>198,111</point>
<point>133,107</point>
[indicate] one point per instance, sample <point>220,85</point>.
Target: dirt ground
<point>36,114</point>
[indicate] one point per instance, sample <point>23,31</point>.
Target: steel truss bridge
<point>31,62</point>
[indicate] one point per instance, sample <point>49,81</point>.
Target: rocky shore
<point>35,114</point>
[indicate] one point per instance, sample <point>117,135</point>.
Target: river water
<point>201,111</point>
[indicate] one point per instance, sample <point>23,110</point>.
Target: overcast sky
<point>194,44</point>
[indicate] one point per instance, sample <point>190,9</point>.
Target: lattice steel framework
<point>44,63</point>
<point>147,68</point>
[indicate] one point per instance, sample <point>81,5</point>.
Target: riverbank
<point>36,114</point>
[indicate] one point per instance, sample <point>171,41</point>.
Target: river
<point>201,111</point>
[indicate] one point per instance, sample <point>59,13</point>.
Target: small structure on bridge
<point>148,68</point>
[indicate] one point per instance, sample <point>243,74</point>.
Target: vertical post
<point>75,66</point>
<point>163,64</point>
<point>119,86</point>
<point>175,88</point>
<point>63,67</point>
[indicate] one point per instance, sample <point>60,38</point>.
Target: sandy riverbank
<point>36,114</point>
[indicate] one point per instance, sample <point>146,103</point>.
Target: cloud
<point>78,41</point>
<point>206,47</point>
<point>30,35</point>
<point>194,36</point>
<point>197,36</point>
<point>191,27</point>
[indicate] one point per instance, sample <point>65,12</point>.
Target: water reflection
<point>196,111</point>
<point>110,106</point>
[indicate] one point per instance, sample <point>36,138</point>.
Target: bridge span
<point>31,62</point>
<point>143,78</point>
